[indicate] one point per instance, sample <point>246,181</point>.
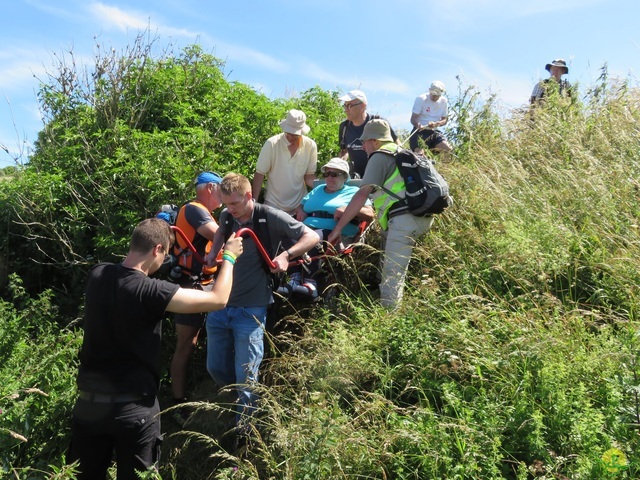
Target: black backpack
<point>427,192</point>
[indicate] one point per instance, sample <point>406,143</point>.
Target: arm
<point>208,230</point>
<point>310,174</point>
<point>217,240</point>
<point>188,300</point>
<point>256,185</point>
<point>300,213</point>
<point>355,206</point>
<point>414,121</point>
<point>365,214</point>
<point>439,123</point>
<point>309,178</point>
<point>306,242</point>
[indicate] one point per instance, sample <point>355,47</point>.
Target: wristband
<point>229,253</point>
<point>289,256</point>
<point>229,259</point>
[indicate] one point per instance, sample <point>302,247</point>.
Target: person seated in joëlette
<point>320,210</point>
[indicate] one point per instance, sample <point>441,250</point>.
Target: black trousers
<point>130,430</point>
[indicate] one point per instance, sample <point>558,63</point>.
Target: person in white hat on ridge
<point>430,111</point>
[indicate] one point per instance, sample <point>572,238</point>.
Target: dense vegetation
<point>514,354</point>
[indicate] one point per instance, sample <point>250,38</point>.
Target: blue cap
<point>164,216</point>
<point>207,177</point>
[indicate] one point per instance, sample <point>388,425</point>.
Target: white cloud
<point>115,17</point>
<point>249,56</point>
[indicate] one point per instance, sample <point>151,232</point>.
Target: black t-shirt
<point>122,331</point>
<point>349,139</point>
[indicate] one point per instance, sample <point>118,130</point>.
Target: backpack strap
<point>400,206</point>
<point>341,133</point>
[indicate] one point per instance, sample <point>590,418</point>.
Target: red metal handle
<point>190,246</point>
<point>261,250</point>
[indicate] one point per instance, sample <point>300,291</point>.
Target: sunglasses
<point>331,174</point>
<point>347,106</point>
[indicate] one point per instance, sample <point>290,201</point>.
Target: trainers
<point>288,288</point>
<point>308,288</point>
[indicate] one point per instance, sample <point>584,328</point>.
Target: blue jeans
<point>235,347</point>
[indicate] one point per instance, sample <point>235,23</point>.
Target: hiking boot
<point>288,288</point>
<point>309,288</point>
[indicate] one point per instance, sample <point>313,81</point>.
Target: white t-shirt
<point>430,111</point>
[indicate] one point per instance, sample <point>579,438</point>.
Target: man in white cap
<point>399,229</point>
<point>557,68</point>
<point>289,162</point>
<point>430,111</point>
<point>354,103</point>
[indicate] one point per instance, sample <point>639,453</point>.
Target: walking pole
<point>412,134</point>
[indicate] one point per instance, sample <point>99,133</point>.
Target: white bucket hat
<point>295,123</point>
<point>337,164</point>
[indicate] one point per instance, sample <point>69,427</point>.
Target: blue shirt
<point>319,200</point>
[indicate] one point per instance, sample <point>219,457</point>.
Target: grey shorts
<point>193,319</point>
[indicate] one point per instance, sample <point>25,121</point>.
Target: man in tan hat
<point>430,111</point>
<point>400,230</point>
<point>543,88</point>
<point>289,162</point>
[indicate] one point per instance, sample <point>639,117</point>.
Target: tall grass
<point>515,353</point>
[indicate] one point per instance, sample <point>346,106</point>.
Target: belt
<point>104,398</point>
<point>323,214</point>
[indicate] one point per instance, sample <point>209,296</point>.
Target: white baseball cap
<point>354,95</point>
<point>437,87</point>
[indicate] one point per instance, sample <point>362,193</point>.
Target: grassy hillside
<point>514,354</point>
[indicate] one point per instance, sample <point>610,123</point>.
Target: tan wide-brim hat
<point>376,129</point>
<point>295,123</point>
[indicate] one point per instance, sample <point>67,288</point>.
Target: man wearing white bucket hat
<point>289,162</point>
<point>430,111</point>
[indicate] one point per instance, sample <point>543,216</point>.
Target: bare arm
<point>306,242</point>
<point>256,185</point>
<point>188,300</point>
<point>353,209</point>
<point>208,230</point>
<point>215,247</point>
<point>414,121</point>
<point>365,214</point>
<point>300,213</point>
<point>309,178</point>
<point>439,123</point>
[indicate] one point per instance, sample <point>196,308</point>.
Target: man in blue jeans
<point>235,345</point>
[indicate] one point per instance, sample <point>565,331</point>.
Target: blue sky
<point>390,49</point>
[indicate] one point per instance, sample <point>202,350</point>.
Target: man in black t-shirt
<point>350,130</point>
<point>119,375</point>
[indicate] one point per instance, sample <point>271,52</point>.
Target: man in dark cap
<point>543,88</point>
